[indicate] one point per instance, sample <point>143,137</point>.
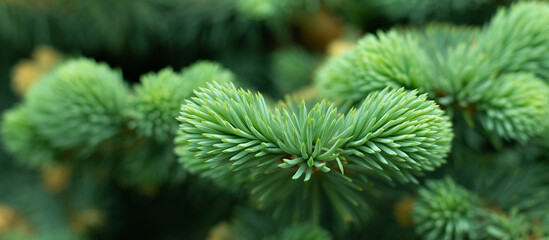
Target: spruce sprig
<point>480,74</point>
<point>399,133</point>
<point>393,133</point>
<point>446,210</point>
<point>230,128</point>
<point>79,104</point>
<point>388,59</point>
<point>237,138</point>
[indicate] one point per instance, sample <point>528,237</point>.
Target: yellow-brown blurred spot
<point>46,56</point>
<point>56,178</point>
<point>403,210</point>
<point>319,29</point>
<point>10,220</point>
<point>27,72</point>
<point>220,232</point>
<point>306,93</point>
<point>84,221</point>
<point>338,47</point>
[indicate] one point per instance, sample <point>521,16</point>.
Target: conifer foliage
<point>445,126</point>
<point>394,134</point>
<point>469,75</point>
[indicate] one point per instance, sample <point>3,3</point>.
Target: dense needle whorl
<point>397,134</point>
<point>446,210</point>
<point>394,133</point>
<point>80,103</point>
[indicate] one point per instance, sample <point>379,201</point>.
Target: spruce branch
<point>159,96</point>
<point>156,104</point>
<point>396,128</point>
<point>22,139</point>
<point>514,106</point>
<point>516,38</point>
<point>397,132</point>
<point>230,129</point>
<point>509,226</point>
<point>237,138</point>
<point>79,104</point>
<point>456,61</point>
<point>461,68</point>
<point>437,38</point>
<point>387,59</point>
<point>446,210</point>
